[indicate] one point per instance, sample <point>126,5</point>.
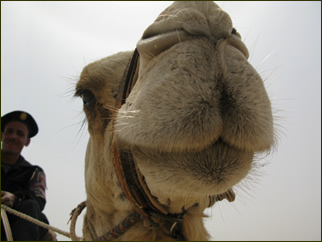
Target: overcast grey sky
<point>45,45</point>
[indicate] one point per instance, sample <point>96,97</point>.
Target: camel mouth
<point>196,100</point>
<point>190,92</point>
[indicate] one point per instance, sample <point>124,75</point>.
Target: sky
<point>45,45</point>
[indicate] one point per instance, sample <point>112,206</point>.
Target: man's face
<point>14,137</point>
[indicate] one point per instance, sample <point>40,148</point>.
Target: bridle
<point>133,185</point>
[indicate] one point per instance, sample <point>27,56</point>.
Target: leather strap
<point>128,80</point>
<point>133,183</point>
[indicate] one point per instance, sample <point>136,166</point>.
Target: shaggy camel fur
<point>194,120</point>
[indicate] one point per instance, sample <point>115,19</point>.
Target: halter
<point>134,185</point>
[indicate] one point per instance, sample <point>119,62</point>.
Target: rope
<point>75,213</point>
<point>33,220</point>
<point>6,225</point>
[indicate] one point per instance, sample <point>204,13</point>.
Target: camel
<point>181,137</point>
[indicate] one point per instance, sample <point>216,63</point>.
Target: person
<point>22,184</point>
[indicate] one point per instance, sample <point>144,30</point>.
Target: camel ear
<point>27,142</point>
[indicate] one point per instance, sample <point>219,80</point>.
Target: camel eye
<point>88,98</point>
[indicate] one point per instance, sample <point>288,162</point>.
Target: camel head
<point>193,122</point>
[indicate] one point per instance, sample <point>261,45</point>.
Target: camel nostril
<point>153,46</point>
<point>235,41</point>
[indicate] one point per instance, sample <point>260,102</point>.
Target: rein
<point>133,185</point>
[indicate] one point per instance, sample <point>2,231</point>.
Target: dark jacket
<point>26,181</point>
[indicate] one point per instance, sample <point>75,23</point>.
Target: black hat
<point>23,117</point>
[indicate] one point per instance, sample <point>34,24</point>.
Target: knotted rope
<point>74,215</point>
<point>6,224</point>
<point>33,220</point>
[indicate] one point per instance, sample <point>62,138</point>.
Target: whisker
<point>126,127</point>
